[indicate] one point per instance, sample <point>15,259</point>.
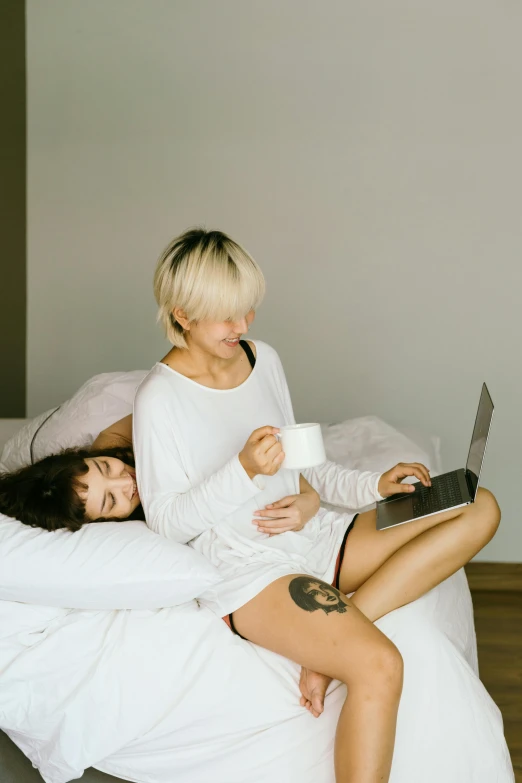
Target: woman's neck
<point>208,370</point>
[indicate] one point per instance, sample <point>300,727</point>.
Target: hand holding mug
<point>262,453</point>
<point>293,447</point>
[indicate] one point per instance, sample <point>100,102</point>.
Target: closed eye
<point>111,496</point>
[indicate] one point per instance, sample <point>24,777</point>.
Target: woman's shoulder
<point>266,353</point>
<point>156,385</point>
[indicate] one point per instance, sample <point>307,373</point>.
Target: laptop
<point>450,490</point>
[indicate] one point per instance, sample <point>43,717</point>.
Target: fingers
<point>275,525</point>
<point>403,470</point>
<point>262,453</point>
<point>270,514</point>
<point>274,454</point>
<point>275,529</point>
<point>262,432</point>
<point>283,503</point>
<point>267,453</point>
<point>398,488</point>
<point>273,450</point>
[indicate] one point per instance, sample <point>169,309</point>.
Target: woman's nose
<point>242,326</point>
<point>123,482</point>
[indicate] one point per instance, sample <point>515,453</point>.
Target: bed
<point>170,695</point>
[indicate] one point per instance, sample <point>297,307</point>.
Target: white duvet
<point>172,696</point>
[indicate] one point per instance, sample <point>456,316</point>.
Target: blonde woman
<point>208,468</point>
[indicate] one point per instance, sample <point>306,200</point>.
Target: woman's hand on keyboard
<point>390,482</point>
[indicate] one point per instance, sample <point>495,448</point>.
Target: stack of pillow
<point>102,566</point>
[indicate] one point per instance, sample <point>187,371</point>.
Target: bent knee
<point>487,512</point>
<point>380,669</point>
<point>388,664</point>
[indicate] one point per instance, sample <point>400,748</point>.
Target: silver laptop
<point>450,490</point>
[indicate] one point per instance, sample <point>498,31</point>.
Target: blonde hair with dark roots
<point>209,276</point>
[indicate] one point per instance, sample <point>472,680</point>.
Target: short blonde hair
<point>209,276</point>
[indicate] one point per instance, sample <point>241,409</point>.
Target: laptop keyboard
<point>443,493</point>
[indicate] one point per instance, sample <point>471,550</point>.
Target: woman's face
<point>112,492</point>
<point>219,338</point>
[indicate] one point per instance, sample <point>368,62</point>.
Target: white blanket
<point>172,696</point>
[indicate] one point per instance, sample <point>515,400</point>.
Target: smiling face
<point>111,490</point>
<point>218,338</point>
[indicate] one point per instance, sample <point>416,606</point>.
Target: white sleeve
<point>341,486</point>
<point>173,507</point>
<point>335,484</point>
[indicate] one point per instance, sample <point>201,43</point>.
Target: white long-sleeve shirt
<point>193,488</point>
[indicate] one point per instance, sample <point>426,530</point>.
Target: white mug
<point>303,446</point>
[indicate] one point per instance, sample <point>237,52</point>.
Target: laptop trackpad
<point>394,512</point>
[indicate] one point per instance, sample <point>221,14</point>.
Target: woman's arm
<point>343,487</point>
<point>306,488</point>
<point>174,506</point>
<point>117,434</point>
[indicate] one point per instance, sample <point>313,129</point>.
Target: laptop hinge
<point>469,484</point>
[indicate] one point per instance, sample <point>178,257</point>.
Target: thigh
<point>314,624</point>
<point>368,548</point>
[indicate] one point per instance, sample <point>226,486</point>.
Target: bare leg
<point>425,560</point>
<point>312,623</point>
<point>393,567</point>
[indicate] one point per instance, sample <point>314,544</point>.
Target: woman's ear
<point>180,316</point>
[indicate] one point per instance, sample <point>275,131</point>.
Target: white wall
<point>368,154</point>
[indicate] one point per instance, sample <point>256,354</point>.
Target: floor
<point>498,621</point>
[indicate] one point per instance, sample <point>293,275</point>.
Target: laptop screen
<point>479,439</point>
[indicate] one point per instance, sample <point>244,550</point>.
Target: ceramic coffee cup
<point>303,446</point>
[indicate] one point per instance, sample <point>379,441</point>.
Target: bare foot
<point>313,687</point>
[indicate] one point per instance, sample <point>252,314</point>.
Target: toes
<point>318,702</point>
<point>313,697</point>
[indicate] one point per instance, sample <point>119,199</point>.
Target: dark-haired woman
<point>77,486</point>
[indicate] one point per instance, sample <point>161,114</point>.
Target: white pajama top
<point>194,490</point>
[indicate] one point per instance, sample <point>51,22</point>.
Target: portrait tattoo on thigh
<point>311,593</point>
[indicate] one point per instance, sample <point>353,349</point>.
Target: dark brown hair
<point>46,494</point>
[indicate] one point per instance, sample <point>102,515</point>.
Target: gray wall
<point>368,154</point>
<point>12,210</point>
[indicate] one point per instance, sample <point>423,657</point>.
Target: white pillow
<point>105,565</point>
<point>101,401</point>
